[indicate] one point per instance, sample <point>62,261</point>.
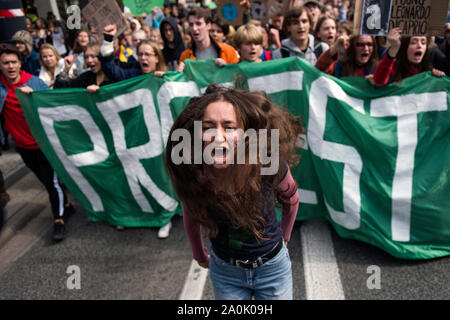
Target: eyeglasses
<point>363,44</point>
<point>144,54</point>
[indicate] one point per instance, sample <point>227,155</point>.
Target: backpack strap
<point>317,48</point>
<point>337,69</point>
<point>284,52</point>
<point>267,55</point>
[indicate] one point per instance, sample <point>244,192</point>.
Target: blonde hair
<point>94,46</point>
<point>247,33</point>
<point>161,65</point>
<point>48,46</point>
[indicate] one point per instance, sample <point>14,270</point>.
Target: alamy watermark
<point>212,146</point>
<point>74,17</point>
<point>74,280</point>
<point>374,280</point>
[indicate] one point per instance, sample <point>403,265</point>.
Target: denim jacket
<point>34,83</point>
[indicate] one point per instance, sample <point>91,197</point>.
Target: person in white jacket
<point>52,64</point>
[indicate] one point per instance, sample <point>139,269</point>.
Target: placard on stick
<point>100,13</point>
<point>375,16</point>
<point>231,12</point>
<point>420,17</point>
<point>264,10</point>
<point>414,17</point>
<point>259,10</point>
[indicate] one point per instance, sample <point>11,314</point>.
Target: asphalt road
<point>134,264</point>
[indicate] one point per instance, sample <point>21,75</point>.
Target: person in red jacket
<point>406,56</point>
<point>354,56</point>
<point>11,78</point>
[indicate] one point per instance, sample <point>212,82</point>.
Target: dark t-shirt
<point>241,243</point>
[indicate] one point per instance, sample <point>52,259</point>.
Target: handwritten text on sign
<point>412,16</point>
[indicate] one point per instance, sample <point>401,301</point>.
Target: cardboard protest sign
<point>414,17</point>
<point>259,10</point>
<point>100,13</point>
<point>231,12</point>
<point>264,10</point>
<point>419,17</point>
<point>375,17</point>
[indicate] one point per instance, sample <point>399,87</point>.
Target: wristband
<point>108,37</point>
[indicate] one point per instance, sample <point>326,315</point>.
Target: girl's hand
<point>245,5</point>
<point>180,67</point>
<point>437,73</point>
<point>159,74</point>
<point>369,78</point>
<point>341,43</point>
<point>110,29</point>
<point>26,90</point>
<point>274,35</point>
<point>394,41</point>
<point>204,264</point>
<point>68,62</point>
<point>220,62</point>
<point>92,88</point>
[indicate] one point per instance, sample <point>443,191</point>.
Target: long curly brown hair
<point>243,205</point>
<point>349,63</point>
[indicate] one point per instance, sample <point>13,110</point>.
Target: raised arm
<point>109,67</point>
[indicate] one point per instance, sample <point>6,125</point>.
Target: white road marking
<point>195,282</point>
<point>322,280</point>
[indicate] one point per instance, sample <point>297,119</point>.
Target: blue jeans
<point>271,281</point>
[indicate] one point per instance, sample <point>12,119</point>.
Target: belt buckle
<point>247,264</point>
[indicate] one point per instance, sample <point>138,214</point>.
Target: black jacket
<point>172,54</point>
<point>82,81</point>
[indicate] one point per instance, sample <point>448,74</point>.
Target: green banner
<point>376,162</point>
<point>138,7</point>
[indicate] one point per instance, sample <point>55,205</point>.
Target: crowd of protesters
<point>320,32</point>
